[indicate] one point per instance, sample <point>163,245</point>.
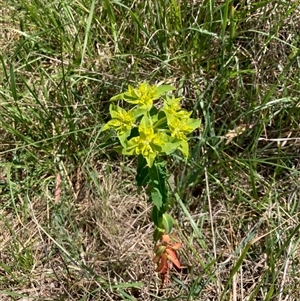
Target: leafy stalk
<point>147,132</point>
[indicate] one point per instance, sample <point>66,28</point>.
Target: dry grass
<point>113,232</point>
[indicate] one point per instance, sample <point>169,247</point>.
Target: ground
<point>73,225</point>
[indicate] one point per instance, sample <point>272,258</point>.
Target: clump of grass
<point>67,217</point>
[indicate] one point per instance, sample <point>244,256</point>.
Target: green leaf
<point>158,172</point>
<point>158,232</point>
<point>164,89</point>
<point>142,175</point>
<point>193,123</point>
<point>170,145</point>
<point>184,148</point>
<point>123,139</point>
<point>139,112</point>
<point>130,147</point>
<point>159,120</point>
<point>150,159</point>
<point>168,222</point>
<point>156,198</point>
<point>117,97</point>
<point>158,175</point>
<point>157,217</point>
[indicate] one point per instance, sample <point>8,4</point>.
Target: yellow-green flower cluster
<point>156,131</point>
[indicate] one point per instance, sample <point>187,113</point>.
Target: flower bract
<point>172,108</point>
<point>122,121</point>
<point>148,143</point>
<point>179,128</point>
<point>145,129</point>
<point>144,95</point>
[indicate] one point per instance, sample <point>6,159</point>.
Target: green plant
<point>150,131</point>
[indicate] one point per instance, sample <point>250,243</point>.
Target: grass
<point>236,63</point>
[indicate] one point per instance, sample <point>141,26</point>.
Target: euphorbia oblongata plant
<point>150,131</point>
